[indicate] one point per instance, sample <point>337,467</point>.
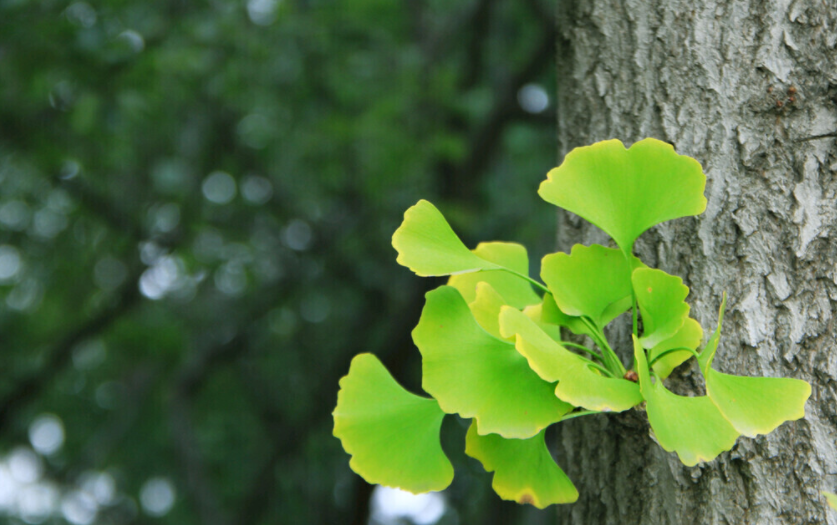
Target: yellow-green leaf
<point>593,281</point>
<point>691,426</point>
<point>474,374</point>
<point>515,290</point>
<point>754,405</point>
<point>524,470</point>
<point>427,245</point>
<point>626,191</point>
<point>661,299</point>
<point>392,435</point>
<point>689,336</point>
<point>578,383</point>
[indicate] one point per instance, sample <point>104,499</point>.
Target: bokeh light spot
<point>46,434</point>
<point>157,496</point>
<point>219,187</point>
<point>533,98</point>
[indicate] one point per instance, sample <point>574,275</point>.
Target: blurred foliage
<point>196,206</point>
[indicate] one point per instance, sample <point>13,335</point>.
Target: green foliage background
<point>332,117</point>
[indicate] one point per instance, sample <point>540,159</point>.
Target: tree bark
<point>749,89</point>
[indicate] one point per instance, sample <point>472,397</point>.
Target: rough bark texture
<point>742,86</point>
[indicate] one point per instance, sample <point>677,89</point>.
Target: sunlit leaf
<point>578,383</point>
<point>475,374</point>
<point>831,499</point>
<point>689,336</point>
<point>754,405</point>
<point>524,470</point>
<point>392,435</point>
<point>427,245</point>
<point>515,291</point>
<point>661,299</point>
<point>592,281</point>
<point>691,426</point>
<point>626,191</point>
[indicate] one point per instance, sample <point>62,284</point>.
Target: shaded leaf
<point>754,405</point>
<point>475,374</point>
<point>551,314</point>
<point>592,281</point>
<point>626,191</point>
<point>661,299</point>
<point>524,470</point>
<point>392,435</point>
<point>689,336</point>
<point>486,308</point>
<point>515,290</point>
<point>831,499</point>
<point>427,245</point>
<point>691,426</point>
<point>578,383</point>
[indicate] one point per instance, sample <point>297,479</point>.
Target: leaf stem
<point>534,282</point>
<point>580,413</point>
<point>670,350</point>
<point>582,348</point>
<point>609,357</point>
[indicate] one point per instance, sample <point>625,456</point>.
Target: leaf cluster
<point>493,346</point>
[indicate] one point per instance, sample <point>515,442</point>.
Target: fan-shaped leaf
<point>592,281</point>
<point>524,470</point>
<point>660,297</point>
<point>754,405</point>
<point>626,191</point>
<point>551,314</point>
<point>691,426</point>
<point>515,290</point>
<point>392,435</point>
<point>427,245</point>
<point>689,336</point>
<point>474,374</point>
<point>578,383</point>
<point>831,499</point>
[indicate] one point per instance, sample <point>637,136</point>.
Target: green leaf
<point>592,281</point>
<point>392,435</point>
<point>831,499</point>
<point>626,191</point>
<point>551,314</point>
<point>475,374</point>
<point>486,308</point>
<point>754,405</point>
<point>524,470</point>
<point>689,336</point>
<point>427,245</point>
<point>515,290</point>
<point>578,383</point>
<point>661,299</point>
<point>691,426</point>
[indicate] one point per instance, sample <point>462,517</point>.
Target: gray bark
<point>741,86</point>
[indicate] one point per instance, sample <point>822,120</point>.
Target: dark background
<point>196,205</point>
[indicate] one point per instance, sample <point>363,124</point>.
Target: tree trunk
<point>749,89</point>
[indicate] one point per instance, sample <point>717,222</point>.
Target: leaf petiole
<point>582,348</point>
<point>532,281</point>
<point>676,349</point>
<point>580,413</point>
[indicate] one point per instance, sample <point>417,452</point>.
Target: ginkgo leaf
<point>831,499</point>
<point>691,426</point>
<point>689,336</point>
<point>592,281</point>
<point>486,308</point>
<point>754,405</point>
<point>427,245</point>
<point>392,435</point>
<point>578,383</point>
<point>661,299</point>
<point>524,470</point>
<point>626,191</point>
<point>474,374</point>
<point>515,290</point>
<point>551,314</point>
